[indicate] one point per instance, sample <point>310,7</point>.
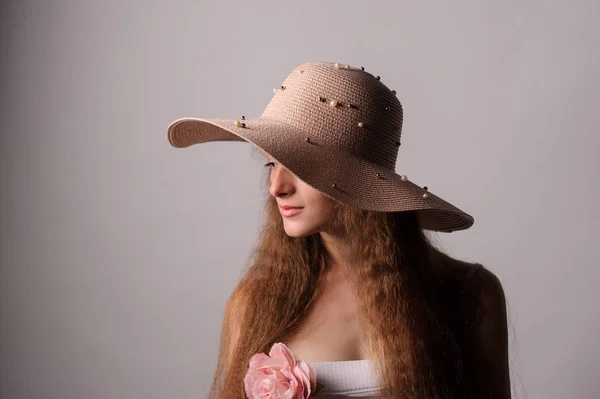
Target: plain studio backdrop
<point>119,251</point>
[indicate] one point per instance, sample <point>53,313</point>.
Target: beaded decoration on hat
<point>337,128</point>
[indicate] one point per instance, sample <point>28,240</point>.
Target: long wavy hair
<point>409,297</point>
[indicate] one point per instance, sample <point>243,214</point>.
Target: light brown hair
<point>408,295</point>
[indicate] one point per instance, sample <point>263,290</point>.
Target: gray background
<point>119,251</point>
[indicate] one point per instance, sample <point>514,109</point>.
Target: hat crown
<point>343,107</point>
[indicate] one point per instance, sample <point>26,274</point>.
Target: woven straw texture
<point>338,129</point>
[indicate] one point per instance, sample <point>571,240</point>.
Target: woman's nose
<point>282,182</point>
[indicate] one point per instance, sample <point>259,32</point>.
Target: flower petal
<point>302,371</point>
<point>256,358</point>
<point>279,375</point>
<point>281,351</point>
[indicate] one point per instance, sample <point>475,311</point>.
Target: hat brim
<point>320,165</point>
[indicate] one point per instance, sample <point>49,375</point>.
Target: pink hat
<point>337,128</point>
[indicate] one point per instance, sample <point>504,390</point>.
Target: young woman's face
<point>316,209</point>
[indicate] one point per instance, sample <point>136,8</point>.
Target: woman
<point>344,278</point>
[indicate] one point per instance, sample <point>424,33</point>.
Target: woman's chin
<point>296,229</point>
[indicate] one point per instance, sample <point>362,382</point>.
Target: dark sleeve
<point>487,358</point>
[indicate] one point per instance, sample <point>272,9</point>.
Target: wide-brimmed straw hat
<point>337,128</point>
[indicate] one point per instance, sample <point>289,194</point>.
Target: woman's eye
<point>270,164</point>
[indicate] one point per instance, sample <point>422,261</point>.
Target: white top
<point>347,379</point>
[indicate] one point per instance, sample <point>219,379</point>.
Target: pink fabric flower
<point>279,375</point>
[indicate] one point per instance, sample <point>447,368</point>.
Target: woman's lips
<point>290,211</point>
